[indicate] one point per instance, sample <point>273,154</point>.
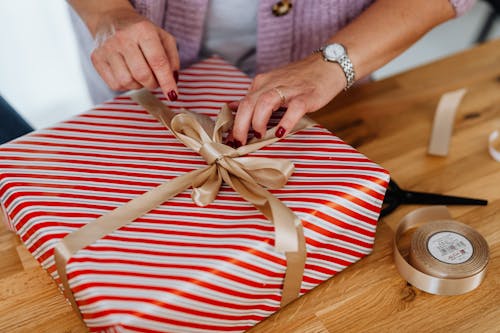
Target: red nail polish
<point>176,76</point>
<point>172,95</point>
<point>280,132</point>
<point>257,135</point>
<point>237,143</point>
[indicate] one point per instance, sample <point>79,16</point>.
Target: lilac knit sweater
<point>279,39</point>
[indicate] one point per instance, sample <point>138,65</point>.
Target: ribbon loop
<point>206,186</point>
<point>272,173</point>
<point>223,123</point>
<point>189,131</point>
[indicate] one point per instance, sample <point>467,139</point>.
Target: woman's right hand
<point>132,52</point>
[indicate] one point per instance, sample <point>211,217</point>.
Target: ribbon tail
<point>289,234</point>
<point>206,186</point>
<point>294,247</point>
<point>295,266</point>
<point>114,220</point>
<point>154,106</point>
<point>289,239</point>
<point>271,173</point>
<point>162,113</point>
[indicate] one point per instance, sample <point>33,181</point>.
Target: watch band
<point>346,65</point>
<point>348,69</point>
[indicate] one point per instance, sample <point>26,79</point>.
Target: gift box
<point>181,267</point>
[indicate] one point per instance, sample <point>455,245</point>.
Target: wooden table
<point>389,121</point>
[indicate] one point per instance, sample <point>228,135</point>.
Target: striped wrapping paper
<point>182,268</point>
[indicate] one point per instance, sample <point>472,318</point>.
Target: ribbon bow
<point>246,175</point>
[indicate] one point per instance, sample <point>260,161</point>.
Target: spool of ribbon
<point>446,257</point>
<point>246,175</point>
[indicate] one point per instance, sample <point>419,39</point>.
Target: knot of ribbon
<point>247,175</point>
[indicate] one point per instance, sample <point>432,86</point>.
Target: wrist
<point>331,74</point>
<point>336,53</point>
<point>95,13</point>
<point>114,20</point>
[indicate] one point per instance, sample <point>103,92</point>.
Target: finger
<point>267,102</point>
<point>233,106</point>
<point>139,67</point>
<point>104,69</point>
<point>121,72</point>
<point>170,46</point>
<point>297,108</point>
<point>242,120</point>
<point>155,55</point>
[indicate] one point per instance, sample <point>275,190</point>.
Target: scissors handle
<point>411,197</point>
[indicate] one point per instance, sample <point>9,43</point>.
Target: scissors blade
<point>412,197</point>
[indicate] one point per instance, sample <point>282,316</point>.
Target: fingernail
<point>280,132</point>
<point>237,143</point>
<point>233,105</point>
<point>176,76</point>
<point>257,135</point>
<point>172,95</point>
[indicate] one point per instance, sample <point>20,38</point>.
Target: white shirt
<point>231,32</point>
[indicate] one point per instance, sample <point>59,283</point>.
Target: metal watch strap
<point>348,69</point>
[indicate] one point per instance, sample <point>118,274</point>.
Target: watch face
<point>334,52</point>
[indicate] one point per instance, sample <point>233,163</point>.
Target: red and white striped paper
<point>182,268</point>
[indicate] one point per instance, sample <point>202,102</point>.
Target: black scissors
<point>396,196</point>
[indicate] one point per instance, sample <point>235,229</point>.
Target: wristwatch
<point>337,53</point>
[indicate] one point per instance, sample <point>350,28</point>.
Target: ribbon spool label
<point>450,247</point>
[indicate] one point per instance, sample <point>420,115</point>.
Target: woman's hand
<point>371,41</point>
<point>132,53</point>
<point>302,87</point>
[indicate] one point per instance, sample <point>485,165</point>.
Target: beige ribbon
<point>425,271</point>
<point>444,119</point>
<point>494,141</point>
<point>246,175</point>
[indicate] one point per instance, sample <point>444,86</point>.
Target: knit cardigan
<point>280,40</point>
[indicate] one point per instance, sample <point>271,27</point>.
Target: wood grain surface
<point>390,122</point>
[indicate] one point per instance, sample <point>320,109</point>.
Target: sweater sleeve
<point>462,6</point>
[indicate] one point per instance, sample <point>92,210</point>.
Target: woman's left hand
<point>301,87</point>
